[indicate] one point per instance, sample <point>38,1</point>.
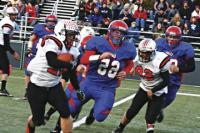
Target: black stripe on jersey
<point>57,41</point>
<point>7,25</point>
<point>164,62</point>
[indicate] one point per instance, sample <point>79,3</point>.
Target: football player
<point>39,31</point>
<point>86,34</point>
<point>7,26</point>
<point>181,51</point>
<point>45,68</point>
<point>152,67</point>
<point>108,66</point>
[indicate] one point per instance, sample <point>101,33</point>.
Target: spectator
<point>194,28</point>
<point>126,17</point>
<point>21,8</point>
<point>149,6</point>
<point>177,20</point>
<point>88,7</point>
<point>172,11</point>
<point>161,5</point>
<point>185,12</point>
<point>196,12</point>
<point>158,31</point>
<point>186,31</point>
<point>95,18</point>
<point>140,17</point>
<point>32,13</point>
<point>117,6</point>
<point>134,33</point>
<point>80,14</point>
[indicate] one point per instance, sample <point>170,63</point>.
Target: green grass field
<point>183,116</point>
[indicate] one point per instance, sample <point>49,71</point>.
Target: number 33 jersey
<point>150,72</point>
<point>103,72</point>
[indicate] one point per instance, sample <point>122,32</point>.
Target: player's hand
<point>149,94</point>
<point>107,55</point>
<point>16,56</point>
<point>81,68</point>
<point>28,53</point>
<point>174,69</point>
<point>121,75</point>
<point>132,71</point>
<point>80,95</point>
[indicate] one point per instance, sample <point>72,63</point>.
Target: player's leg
<point>104,100</point>
<point>153,109</point>
<point>169,98</point>
<point>137,103</point>
<point>37,98</point>
<point>26,81</point>
<point>171,95</point>
<point>4,64</point>
<point>57,98</point>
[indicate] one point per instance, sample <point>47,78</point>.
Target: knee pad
<point>38,122</point>
<point>101,116</point>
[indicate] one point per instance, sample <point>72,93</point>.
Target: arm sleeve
<point>6,38</point>
<point>74,80</point>
<point>164,83</point>
<point>129,66</point>
<point>55,63</point>
<point>189,66</point>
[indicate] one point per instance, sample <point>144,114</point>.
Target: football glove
<point>80,95</point>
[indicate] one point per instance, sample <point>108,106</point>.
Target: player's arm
<point>73,79</point>
<point>55,63</point>
<point>189,66</point>
<point>6,38</point>
<point>129,65</point>
<point>164,83</point>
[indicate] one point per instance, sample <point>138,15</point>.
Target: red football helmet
<point>116,31</point>
<point>51,21</point>
<point>173,34</point>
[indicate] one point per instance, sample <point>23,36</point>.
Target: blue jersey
<point>180,52</point>
<point>103,72</point>
<point>40,31</point>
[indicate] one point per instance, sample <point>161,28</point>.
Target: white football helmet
<point>11,11</point>
<point>146,50</point>
<point>86,31</point>
<point>65,27</point>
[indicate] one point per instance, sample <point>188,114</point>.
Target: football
<point>67,57</point>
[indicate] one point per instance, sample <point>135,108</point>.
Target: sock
<point>30,129</point>
<point>3,84</point>
<point>58,127</point>
<point>122,126</point>
<point>51,111</point>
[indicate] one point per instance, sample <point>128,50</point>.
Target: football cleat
<point>5,93</point>
<point>118,130</point>
<point>90,118</point>
<point>160,117</point>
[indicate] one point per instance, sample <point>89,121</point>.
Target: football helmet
<point>146,50</point>
<point>86,31</point>
<point>65,28</point>
<point>173,35</point>
<point>51,21</point>
<point>117,30</point>
<point>12,11</point>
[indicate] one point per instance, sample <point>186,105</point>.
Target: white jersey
<point>6,27</point>
<point>150,72</point>
<point>41,73</point>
